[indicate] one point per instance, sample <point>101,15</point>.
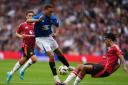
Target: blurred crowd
<point>82,23</point>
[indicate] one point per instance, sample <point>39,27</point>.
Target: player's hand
<point>54,36</point>
<point>56,33</point>
<point>20,36</point>
<point>41,18</point>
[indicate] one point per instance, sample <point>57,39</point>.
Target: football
<point>63,70</point>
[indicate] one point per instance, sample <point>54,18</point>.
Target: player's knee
<point>79,66</point>
<point>33,59</point>
<point>82,68</point>
<point>21,62</point>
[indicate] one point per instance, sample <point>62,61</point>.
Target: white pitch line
<point>107,82</point>
<point>112,83</point>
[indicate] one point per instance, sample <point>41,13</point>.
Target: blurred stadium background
<point>83,23</point>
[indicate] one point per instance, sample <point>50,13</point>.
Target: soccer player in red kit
<point>26,32</point>
<point>110,63</point>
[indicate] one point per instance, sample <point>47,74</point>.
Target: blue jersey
<point>44,28</point>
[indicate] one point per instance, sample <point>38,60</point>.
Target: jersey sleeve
<point>55,22</point>
<point>20,28</point>
<point>37,16</point>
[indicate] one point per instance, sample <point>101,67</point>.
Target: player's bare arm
<point>23,35</point>
<point>123,62</point>
<point>18,35</point>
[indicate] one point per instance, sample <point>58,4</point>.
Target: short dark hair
<point>48,6</point>
<point>29,11</point>
<point>110,36</point>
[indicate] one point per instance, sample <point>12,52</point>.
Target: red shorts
<point>27,51</point>
<point>96,69</point>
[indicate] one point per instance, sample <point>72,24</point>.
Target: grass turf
<point>40,74</point>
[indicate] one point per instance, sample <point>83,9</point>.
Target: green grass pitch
<point>40,74</point>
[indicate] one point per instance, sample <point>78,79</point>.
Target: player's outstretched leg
<point>79,73</point>
<point>80,76</point>
<point>31,61</point>
<point>54,72</point>
<point>52,66</point>
<point>15,68</point>
<point>63,59</point>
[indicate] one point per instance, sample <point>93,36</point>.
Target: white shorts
<point>46,43</point>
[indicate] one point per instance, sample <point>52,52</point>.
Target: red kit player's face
<point>108,42</point>
<point>29,15</point>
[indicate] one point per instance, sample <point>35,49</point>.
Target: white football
<point>63,70</point>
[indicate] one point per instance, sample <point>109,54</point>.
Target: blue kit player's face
<point>49,11</point>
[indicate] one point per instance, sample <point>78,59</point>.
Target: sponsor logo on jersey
<point>26,27</point>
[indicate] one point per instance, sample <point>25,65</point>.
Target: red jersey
<point>111,58</point>
<point>27,30</point>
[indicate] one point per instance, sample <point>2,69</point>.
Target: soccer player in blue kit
<point>44,38</point>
